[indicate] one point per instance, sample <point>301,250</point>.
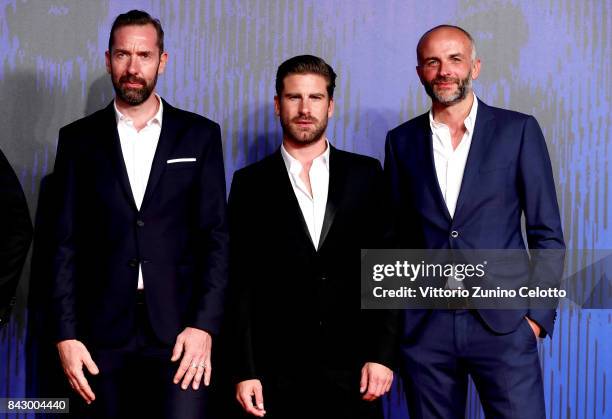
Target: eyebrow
<point>452,55</point>
<point>287,94</point>
<point>126,51</point>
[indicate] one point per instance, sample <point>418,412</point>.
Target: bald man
<point>462,175</point>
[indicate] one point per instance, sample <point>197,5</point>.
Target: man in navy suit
<point>142,242</point>
<point>462,176</point>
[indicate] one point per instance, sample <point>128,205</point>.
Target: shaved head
<point>446,28</point>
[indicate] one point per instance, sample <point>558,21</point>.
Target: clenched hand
<point>376,380</point>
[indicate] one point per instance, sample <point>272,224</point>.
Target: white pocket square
<point>183,160</point>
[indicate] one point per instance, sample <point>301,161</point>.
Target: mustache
<point>304,119</point>
<point>438,80</point>
<point>132,79</point>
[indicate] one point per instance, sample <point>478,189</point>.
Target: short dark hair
<point>306,64</point>
<point>138,18</point>
<point>446,26</point>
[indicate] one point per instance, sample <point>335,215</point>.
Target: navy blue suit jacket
<point>508,174</point>
<point>179,236</point>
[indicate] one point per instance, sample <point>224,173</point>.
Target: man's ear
<point>163,60</point>
<point>419,71</point>
<point>276,106</point>
<point>107,60</point>
<point>475,68</point>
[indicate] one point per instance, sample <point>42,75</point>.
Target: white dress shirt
<point>138,149</point>
<point>449,163</point>
<point>313,207</point>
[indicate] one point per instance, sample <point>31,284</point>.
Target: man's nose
<point>304,107</point>
<point>133,66</point>
<point>444,68</point>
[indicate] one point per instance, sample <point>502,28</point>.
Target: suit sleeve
<point>241,300</point>
<point>542,220</point>
<point>15,234</point>
<point>214,245</point>
<point>392,187</point>
<point>405,235</point>
<point>381,326</point>
<point>63,288</point>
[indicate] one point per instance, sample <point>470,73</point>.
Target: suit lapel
<point>109,137</point>
<point>425,141</point>
<point>335,189</point>
<point>286,195</point>
<point>167,140</point>
<point>337,177</point>
<point>482,138</point>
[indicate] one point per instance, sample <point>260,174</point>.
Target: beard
<point>304,135</point>
<point>134,96</point>
<point>450,98</point>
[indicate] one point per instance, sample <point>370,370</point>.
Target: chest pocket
<point>181,164</point>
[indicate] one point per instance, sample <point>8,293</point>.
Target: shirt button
<point>133,263</point>
<point>140,223</point>
<point>454,234</point>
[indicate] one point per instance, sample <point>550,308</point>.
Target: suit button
<point>454,234</point>
<point>140,223</point>
<point>133,263</point>
<point>323,278</point>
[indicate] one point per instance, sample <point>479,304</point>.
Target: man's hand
<point>73,355</point>
<point>194,345</point>
<point>534,326</point>
<point>245,391</point>
<point>376,380</point>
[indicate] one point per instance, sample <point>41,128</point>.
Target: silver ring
<point>203,365</point>
<point>194,364</point>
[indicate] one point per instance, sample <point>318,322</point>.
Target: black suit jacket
<point>179,235</point>
<point>298,308</point>
<point>15,235</point>
<point>507,174</point>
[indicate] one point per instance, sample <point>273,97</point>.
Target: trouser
<point>318,394</point>
<point>453,344</point>
<point>136,380</point>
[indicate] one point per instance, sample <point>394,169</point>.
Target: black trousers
<point>454,343</point>
<point>318,394</point>
<point>136,381</point>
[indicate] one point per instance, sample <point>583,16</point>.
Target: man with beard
<point>298,219</point>
<point>461,177</point>
<point>142,242</point>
